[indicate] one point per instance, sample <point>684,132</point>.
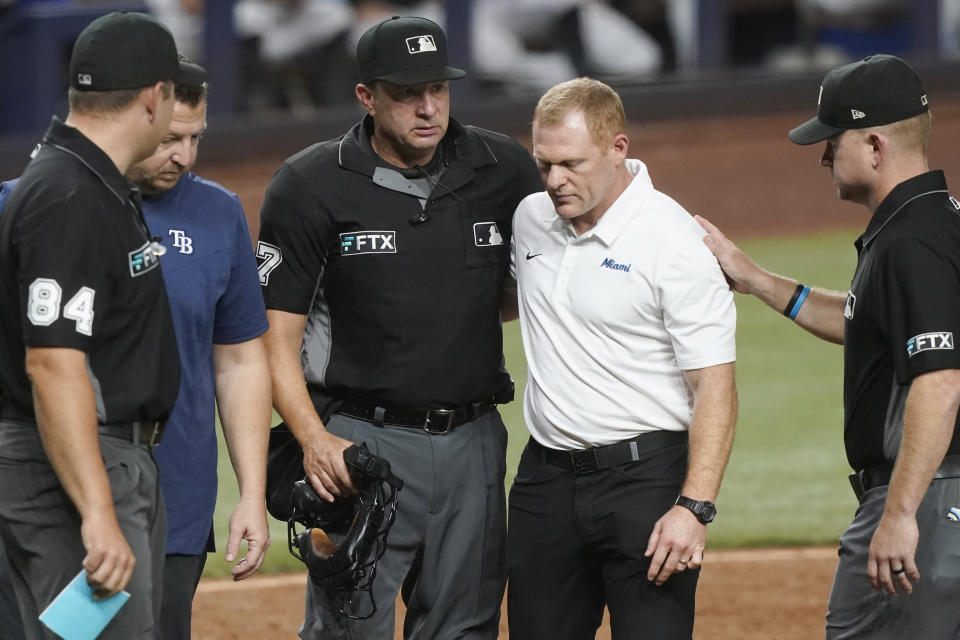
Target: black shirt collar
<point>70,140</point>
<point>460,144</point>
<point>433,168</point>
<point>923,184</point>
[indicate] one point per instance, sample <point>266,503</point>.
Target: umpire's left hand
<point>675,545</point>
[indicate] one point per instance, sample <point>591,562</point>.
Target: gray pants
<point>447,546</point>
<point>9,609</point>
<point>40,528</point>
<point>930,612</point>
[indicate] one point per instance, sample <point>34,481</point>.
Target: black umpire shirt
<point>902,313</point>
<point>77,270</point>
<point>399,278</point>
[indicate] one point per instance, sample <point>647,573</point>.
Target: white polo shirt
<point>612,318</point>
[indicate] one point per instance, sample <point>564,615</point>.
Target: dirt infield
<point>743,595</point>
<point>744,175</point>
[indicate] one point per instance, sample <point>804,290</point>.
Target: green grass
<point>786,482</point>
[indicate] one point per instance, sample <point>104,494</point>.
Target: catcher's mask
<point>361,522</point>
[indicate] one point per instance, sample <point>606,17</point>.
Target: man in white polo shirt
<point>628,327</point>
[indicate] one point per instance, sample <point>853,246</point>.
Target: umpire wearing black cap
<point>384,254</point>
<point>899,571</point>
<point>88,361</point>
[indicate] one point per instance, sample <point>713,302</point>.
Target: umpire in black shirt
<point>899,570</point>
<point>384,254</point>
<point>88,361</point>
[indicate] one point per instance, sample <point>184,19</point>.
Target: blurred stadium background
<point>727,79</point>
<point>282,71</point>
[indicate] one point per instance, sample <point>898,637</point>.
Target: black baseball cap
<point>124,50</point>
<point>877,90</point>
<point>405,51</point>
<point>191,74</point>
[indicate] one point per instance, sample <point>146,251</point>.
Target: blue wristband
<point>801,298</point>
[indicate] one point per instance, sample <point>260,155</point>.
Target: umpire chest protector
<point>400,278</point>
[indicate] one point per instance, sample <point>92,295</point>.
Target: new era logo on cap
<point>85,79</point>
<point>857,114</point>
<point>421,44</point>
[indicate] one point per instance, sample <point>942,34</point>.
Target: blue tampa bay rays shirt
<point>214,291</point>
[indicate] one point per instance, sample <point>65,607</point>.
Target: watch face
<point>708,513</point>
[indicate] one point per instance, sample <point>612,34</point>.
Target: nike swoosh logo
<point>531,256</point>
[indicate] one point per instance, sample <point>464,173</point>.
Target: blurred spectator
<point>293,50</point>
<point>537,43</point>
<point>950,28</point>
<point>832,32</point>
<point>856,27</point>
<point>184,18</point>
<point>369,12</point>
<point>865,10</point>
<point>289,48</point>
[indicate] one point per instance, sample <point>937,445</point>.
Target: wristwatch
<point>705,511</point>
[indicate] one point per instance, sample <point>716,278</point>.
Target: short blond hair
<point>600,105</point>
<point>912,134</point>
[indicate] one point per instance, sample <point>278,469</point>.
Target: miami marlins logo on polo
<point>363,242</point>
<point>610,263</point>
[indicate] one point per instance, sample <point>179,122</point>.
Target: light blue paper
<point>75,615</point>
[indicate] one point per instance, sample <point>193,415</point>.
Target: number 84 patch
<point>43,305</point>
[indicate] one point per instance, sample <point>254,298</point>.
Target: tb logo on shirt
<point>182,241</point>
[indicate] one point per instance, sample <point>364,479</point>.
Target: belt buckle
<point>154,434</point>
<point>856,483</point>
<point>584,461</point>
<point>444,416</point>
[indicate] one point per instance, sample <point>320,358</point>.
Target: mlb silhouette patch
<point>421,44</point>
<point>486,234</point>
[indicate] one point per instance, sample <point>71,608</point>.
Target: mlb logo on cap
<point>421,44</point>
<point>379,53</point>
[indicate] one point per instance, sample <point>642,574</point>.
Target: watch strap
<point>703,510</point>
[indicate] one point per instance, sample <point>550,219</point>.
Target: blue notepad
<point>75,615</point>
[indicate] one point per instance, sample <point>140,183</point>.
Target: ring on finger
<point>896,572</point>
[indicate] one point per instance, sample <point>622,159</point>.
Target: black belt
<point>879,474</point>
<point>430,420</point>
<point>148,433</point>
<point>583,461</point>
<point>11,413</point>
